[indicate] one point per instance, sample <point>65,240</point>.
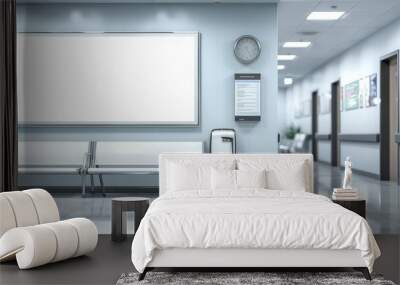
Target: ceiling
<point>362,18</point>
<point>329,39</point>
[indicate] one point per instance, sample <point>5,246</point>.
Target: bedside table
<point>357,206</point>
<point>139,205</point>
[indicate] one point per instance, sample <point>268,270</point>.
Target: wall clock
<point>247,49</point>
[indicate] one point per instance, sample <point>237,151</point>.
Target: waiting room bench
<point>132,157</point>
<point>52,157</point>
<point>100,158</point>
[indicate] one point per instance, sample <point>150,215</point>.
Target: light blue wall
<point>219,25</point>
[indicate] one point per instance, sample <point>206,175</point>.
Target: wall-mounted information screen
<point>361,93</point>
<point>247,96</point>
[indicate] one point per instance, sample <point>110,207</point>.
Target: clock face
<point>247,49</point>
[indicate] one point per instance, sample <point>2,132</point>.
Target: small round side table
<point>120,206</point>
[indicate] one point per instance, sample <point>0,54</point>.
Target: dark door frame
<point>314,123</point>
<point>335,120</point>
<point>385,115</point>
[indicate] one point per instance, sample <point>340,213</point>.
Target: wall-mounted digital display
<point>351,97</point>
<point>247,96</point>
<point>362,93</point>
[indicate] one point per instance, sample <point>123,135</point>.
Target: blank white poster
<point>108,78</point>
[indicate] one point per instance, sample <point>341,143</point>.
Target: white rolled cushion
<point>87,235</point>
<point>251,178</point>
<point>37,245</point>
<point>33,246</point>
<point>46,207</point>
<point>23,208</point>
<point>67,240</point>
<point>7,218</point>
<point>223,179</point>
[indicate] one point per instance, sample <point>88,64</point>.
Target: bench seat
<point>132,157</point>
<point>49,170</point>
<point>122,170</point>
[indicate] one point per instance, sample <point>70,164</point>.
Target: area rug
<point>244,278</point>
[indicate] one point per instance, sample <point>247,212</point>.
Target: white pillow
<point>283,173</point>
<point>251,178</point>
<point>185,177</point>
<point>223,179</point>
<point>227,179</point>
<point>186,174</point>
<point>292,179</point>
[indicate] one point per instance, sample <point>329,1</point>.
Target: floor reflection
<point>383,197</point>
<point>383,212</point>
<point>389,262</point>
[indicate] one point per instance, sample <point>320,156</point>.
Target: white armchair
<point>31,231</point>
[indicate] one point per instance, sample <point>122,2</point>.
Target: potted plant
<point>292,131</point>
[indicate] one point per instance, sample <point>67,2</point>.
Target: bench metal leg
<point>83,178</point>
<point>364,271</point>
<point>102,185</point>
<point>91,183</point>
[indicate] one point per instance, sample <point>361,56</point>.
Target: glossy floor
<point>383,201</point>
<point>110,260</point>
<point>103,266</point>
<point>383,197</point>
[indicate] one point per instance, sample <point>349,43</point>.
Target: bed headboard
<point>240,161</point>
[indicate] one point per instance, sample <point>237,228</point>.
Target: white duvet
<point>250,219</point>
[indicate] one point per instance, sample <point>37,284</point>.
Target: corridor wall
<point>361,60</point>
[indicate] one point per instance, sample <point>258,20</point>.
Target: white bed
<point>201,220</point>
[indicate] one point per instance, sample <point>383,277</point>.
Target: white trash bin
<point>223,141</point>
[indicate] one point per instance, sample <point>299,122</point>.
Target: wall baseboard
<point>146,190</point>
<point>323,137</point>
<point>325,162</point>
<point>360,138</point>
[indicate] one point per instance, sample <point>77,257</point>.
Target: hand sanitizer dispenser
<point>223,141</point>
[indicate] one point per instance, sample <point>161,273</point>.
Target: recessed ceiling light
<point>325,16</point>
<point>286,56</point>
<point>308,33</point>
<point>296,44</point>
<point>288,81</point>
<point>281,67</point>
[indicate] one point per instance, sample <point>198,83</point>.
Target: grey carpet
<point>243,278</point>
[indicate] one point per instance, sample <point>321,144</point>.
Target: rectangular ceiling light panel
<point>288,81</point>
<point>325,16</point>
<point>286,56</point>
<point>296,44</point>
